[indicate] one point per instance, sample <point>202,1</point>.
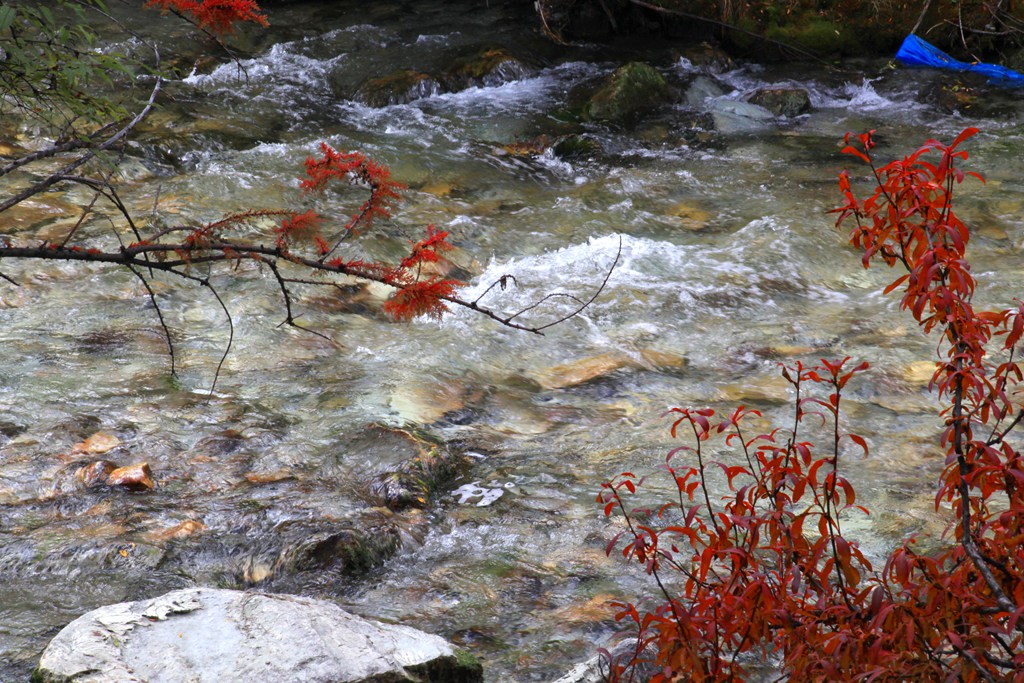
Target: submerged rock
<point>577,146</point>
<point>95,473</point>
<point>487,68</point>
<point>206,634</point>
<point>96,444</point>
<point>347,550</point>
<point>182,530</point>
<point>398,87</point>
<point>690,217</point>
<point>582,371</point>
<point>788,102</point>
<point>628,92</point>
<point>733,116</point>
<point>416,481</point>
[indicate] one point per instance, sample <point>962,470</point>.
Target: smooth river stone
<point>137,477</point>
<point>582,371</point>
<point>203,635</point>
<point>100,442</point>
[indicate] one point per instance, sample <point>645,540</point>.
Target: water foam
<point>280,65</point>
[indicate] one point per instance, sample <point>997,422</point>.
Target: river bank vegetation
<point>799,28</point>
<point>374,418</point>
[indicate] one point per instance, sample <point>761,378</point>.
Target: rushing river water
<point>729,264</point>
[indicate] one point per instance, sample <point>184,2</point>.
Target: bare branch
<point>286,295</point>
<point>604,283</point>
<point>231,332</point>
<point>502,282</point>
<point>44,154</point>
<point>80,161</point>
<point>160,315</point>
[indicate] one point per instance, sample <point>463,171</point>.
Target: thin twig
<point>110,142</point>
<point>604,283</point>
<point>160,315</point>
<point>231,333</point>
<point>920,18</point>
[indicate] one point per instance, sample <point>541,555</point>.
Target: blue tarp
<point>916,52</point>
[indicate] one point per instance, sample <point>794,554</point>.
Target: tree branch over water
<point>88,146</point>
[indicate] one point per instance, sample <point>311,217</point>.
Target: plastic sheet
<point>917,52</point>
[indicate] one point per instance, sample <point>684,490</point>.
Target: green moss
<point>466,659</point>
<point>573,146</point>
<point>817,35</point>
<point>462,668</point>
<point>632,89</point>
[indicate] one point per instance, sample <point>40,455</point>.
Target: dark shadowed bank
<point>797,29</point>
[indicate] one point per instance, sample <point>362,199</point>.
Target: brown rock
<point>8,150</point>
<point>255,572</point>
<point>581,372</point>
<point>137,477</point>
<point>95,473</point>
<point>269,477</point>
<point>691,217</point>
<point>487,68</point>
<point>920,373</point>
<point>36,214</point>
<point>710,57</point>
<point>186,528</point>
<point>527,148</point>
<point>100,442</point>
<point>426,402</point>
<point>663,360</point>
<point>438,189</point>
<point>598,608</point>
<point>769,389</point>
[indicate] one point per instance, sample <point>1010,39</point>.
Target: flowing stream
<point>729,264</point>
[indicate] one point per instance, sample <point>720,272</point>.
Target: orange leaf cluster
<point>303,227</point>
<point>218,16</point>
<point>414,295</point>
<point>354,167</point>
<point>427,249</point>
<point>425,297</point>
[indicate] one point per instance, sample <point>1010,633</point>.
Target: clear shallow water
<point>728,260</point>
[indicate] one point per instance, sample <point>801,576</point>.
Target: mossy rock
<point>416,482</point>
<point>463,667</point>
<point>398,87</point>
<point>788,102</point>
<point>490,67</point>
<point>577,147</point>
<point>352,551</point>
<point>630,91</point>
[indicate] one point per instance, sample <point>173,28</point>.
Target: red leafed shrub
<point>766,573</point>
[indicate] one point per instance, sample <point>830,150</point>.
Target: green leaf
<point>7,15</point>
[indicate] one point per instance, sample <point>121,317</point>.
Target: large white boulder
<point>206,634</point>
